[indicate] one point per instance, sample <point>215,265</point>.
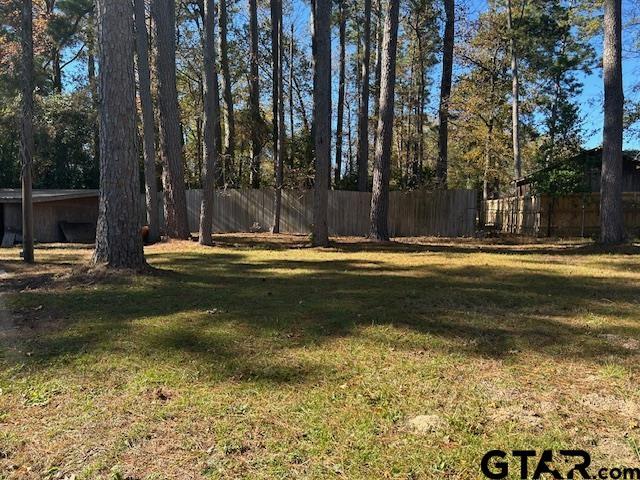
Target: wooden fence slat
<point>415,213</point>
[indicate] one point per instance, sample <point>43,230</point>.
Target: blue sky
<point>590,100</point>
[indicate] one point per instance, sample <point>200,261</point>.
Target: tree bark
<point>377,67</point>
<point>341,92</point>
<point>382,160</point>
<point>254,96</point>
<point>118,239</point>
<point>229,121</point>
<point>321,46</point>
<point>148,125</point>
<point>445,94</point>
<point>175,201</point>
<point>26,137</point>
<point>278,111</point>
<point>611,217</point>
<point>210,120</point>
<point>363,113</point>
<point>515,96</point>
<point>291,113</point>
<point>93,84</point>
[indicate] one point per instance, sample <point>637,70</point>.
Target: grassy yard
<point>263,359</point>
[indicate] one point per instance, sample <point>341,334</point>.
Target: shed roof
<point>14,195</point>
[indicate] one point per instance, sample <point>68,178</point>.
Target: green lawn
<point>263,359</point>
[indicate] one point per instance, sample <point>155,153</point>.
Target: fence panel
<point>449,213</point>
<point>543,215</point>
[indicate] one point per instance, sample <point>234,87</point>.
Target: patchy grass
<point>262,359</point>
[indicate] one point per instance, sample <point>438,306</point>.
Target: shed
<point>58,215</point>
<point>590,164</point>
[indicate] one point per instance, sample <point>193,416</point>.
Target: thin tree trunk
<point>321,118</point>
<point>611,218</point>
<point>93,84</point>
<point>445,94</point>
<point>148,126</point>
<point>382,160</point>
<point>26,138</point>
<point>363,113</point>
<point>229,121</point>
<point>303,110</point>
<point>515,95</point>
<point>254,96</point>
<point>210,121</point>
<point>291,127</point>
<point>175,201</point>
<point>217,127</point>
<point>278,112</point>
<point>118,239</point>
<point>350,140</point>
<point>341,89</point>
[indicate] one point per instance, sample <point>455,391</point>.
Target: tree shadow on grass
<point>231,316</point>
<point>509,246</point>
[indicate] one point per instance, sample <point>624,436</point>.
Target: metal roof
<point>14,195</point>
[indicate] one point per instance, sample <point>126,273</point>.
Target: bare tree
<point>445,93</point>
<point>363,113</point>
<point>515,94</point>
<point>175,200</point>
<point>382,160</point>
<point>148,125</point>
<point>118,239</point>
<point>227,98</point>
<point>321,45</point>
<point>210,120</point>
<point>254,96</point>
<point>611,218</point>
<point>26,137</point>
<point>342,18</point>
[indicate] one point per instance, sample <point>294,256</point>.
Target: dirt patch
<point>628,343</point>
<point>425,424</point>
<point>609,403</point>
<point>523,414</point>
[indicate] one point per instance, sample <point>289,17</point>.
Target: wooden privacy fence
<point>543,215</point>
<point>450,213</point>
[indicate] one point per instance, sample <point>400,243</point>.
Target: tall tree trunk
<point>210,120</point>
<point>93,84</point>
<point>291,113</point>
<point>175,200</point>
<point>118,239</point>
<point>382,160</point>
<point>254,96</point>
<point>611,217</point>
<point>26,137</point>
<point>229,121</point>
<point>515,95</point>
<point>278,112</point>
<point>445,94</point>
<point>321,118</point>
<point>219,174</point>
<point>341,89</point>
<point>148,126</point>
<point>377,67</point>
<point>363,113</point>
